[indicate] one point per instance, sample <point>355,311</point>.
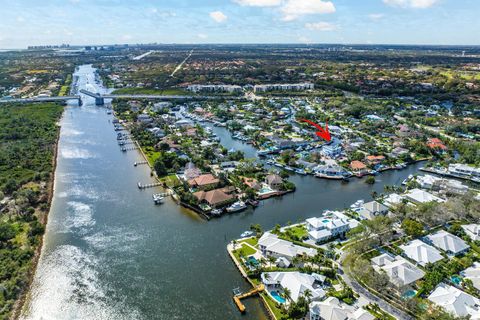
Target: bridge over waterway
<point>100,99</point>
<point>43,99</point>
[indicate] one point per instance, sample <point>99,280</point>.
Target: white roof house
<point>372,209</point>
<point>400,271</point>
<point>472,230</point>
<point>296,282</point>
<point>421,252</point>
<point>473,273</point>
<point>448,242</point>
<point>271,245</point>
<point>393,199</point>
<point>455,301</point>
<point>420,196</point>
<point>332,309</point>
<point>330,224</point>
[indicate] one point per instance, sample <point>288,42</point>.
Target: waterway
<point>109,253</point>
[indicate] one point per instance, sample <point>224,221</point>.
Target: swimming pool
<point>252,261</point>
<point>456,279</point>
<point>277,297</point>
<point>409,294</point>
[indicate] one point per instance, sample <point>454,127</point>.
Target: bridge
<point>42,99</point>
<point>100,99</point>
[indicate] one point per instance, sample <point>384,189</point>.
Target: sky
<point>82,22</point>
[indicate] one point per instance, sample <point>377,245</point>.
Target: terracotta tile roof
<point>357,165</point>
<point>213,197</point>
<point>435,143</point>
<point>203,180</point>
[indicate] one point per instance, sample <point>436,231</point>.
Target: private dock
<point>149,185</point>
<point>139,163</point>
<point>239,296</point>
<point>125,149</point>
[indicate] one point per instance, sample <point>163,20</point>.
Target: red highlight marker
<point>322,133</point>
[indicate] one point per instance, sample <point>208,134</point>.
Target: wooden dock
<point>149,185</point>
<point>237,298</point>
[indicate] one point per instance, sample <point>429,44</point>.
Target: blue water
<point>409,294</point>
<point>277,297</point>
<point>456,279</point>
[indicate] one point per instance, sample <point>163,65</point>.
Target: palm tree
<point>308,295</point>
<point>287,293</point>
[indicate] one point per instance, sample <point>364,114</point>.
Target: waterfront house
<point>330,171</point>
<point>473,231</point>
<point>448,242</point>
<point>400,271</point>
<point>252,183</point>
<point>421,252</point>
<point>473,274</point>
<point>297,283</point>
<point>398,151</point>
<point>274,181</point>
<point>463,170</point>
<point>270,245</point>
<point>419,196</point>
<point>373,160</point>
<point>455,301</point>
<point>327,226</point>
<point>358,167</point>
<point>203,181</point>
<point>332,150</point>
<point>392,200</point>
<point>372,209</point>
<point>214,198</point>
<point>332,309</point>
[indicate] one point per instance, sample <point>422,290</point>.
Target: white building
<point>283,87</point>
<point>473,231</point>
<point>419,196</point>
<point>214,88</point>
<point>332,309</point>
<point>455,301</point>
<point>473,273</point>
<point>464,170</point>
<point>421,252</point>
<point>271,245</point>
<point>400,271</point>
<point>392,200</point>
<point>331,224</point>
<point>297,283</point>
<point>372,209</point>
<point>448,242</point>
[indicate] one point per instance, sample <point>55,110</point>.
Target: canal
<point>109,253</point>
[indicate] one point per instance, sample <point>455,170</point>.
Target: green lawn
<point>251,241</point>
<point>171,181</point>
<point>273,306</point>
<point>170,92</point>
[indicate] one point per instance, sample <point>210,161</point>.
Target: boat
<point>300,171</point>
<point>289,168</point>
<point>253,203</point>
<point>237,206</point>
<point>247,234</point>
<point>158,198</point>
<point>216,212</point>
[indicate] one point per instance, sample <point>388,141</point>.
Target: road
<point>358,288</point>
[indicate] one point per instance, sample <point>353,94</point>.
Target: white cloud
<point>321,26</point>
<point>202,36</point>
<point>20,19</point>
<point>376,16</point>
<point>218,16</point>
<point>415,4</point>
<point>293,9</point>
<point>259,3</point>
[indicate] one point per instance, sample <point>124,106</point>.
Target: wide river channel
<point>109,253</point>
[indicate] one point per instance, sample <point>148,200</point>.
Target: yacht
<point>237,206</point>
<point>246,234</point>
<point>216,212</point>
<point>158,198</point>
